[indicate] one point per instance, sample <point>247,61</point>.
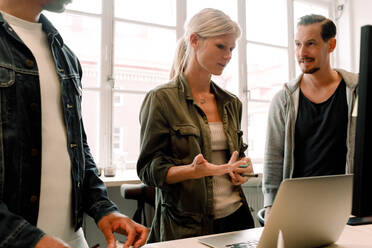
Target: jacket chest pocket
<point>7,77</point>
<point>185,142</point>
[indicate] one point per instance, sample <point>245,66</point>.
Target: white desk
<point>128,176</point>
<point>355,237</point>
<point>351,237</point>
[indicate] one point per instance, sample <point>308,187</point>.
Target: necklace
<point>200,99</point>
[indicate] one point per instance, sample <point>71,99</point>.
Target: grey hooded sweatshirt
<point>279,150</point>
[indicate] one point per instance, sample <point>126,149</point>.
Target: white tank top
<point>226,200</point>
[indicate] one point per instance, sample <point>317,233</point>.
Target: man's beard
<point>311,71</point>
<point>58,6</point>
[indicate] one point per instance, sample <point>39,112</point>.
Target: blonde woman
<point>191,142</point>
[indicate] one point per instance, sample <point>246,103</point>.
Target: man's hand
<point>116,222</point>
<point>49,241</point>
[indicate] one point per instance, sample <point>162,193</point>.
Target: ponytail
<point>180,59</point>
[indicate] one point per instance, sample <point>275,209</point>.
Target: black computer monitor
<point>362,186</point>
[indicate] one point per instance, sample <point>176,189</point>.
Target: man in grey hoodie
<point>310,126</point>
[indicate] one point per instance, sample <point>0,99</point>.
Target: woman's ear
<point>194,40</point>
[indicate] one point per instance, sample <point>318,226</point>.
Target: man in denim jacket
<point>48,178</point>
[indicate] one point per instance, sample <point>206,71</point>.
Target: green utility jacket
<point>173,131</point>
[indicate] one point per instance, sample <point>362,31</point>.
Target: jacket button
<point>29,63</point>
<point>34,152</point>
<point>34,106</point>
<point>33,199</point>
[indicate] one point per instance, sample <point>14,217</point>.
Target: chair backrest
<point>261,216</point>
<point>142,193</point>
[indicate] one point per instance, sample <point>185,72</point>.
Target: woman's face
<point>214,53</point>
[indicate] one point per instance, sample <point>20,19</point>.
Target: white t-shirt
<point>55,209</point>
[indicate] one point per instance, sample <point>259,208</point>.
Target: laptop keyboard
<point>246,244</point>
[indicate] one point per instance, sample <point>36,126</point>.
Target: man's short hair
<point>328,26</point>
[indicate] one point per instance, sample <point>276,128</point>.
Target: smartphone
<point>244,165</point>
<point>250,175</point>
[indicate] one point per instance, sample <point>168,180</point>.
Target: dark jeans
<point>239,220</point>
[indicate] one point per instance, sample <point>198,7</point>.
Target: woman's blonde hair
<point>206,23</point>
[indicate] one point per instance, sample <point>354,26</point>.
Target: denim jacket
<point>173,131</point>
<point>20,139</point>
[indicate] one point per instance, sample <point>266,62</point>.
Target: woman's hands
<point>200,168</point>
<point>236,175</point>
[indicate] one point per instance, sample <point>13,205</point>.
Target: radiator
<point>253,192</point>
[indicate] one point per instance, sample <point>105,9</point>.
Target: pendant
<point>202,101</point>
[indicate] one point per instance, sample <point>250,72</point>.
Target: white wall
<point>356,14</point>
<point>344,51</point>
<point>361,11</point>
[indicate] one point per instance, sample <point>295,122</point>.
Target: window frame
<point>106,88</point>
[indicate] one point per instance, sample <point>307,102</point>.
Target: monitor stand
<point>356,221</point>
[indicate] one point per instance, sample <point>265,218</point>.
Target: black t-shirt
<point>320,135</point>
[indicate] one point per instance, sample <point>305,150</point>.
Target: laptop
<point>308,212</point>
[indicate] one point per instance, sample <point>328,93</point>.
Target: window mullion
<point>243,70</point>
<point>332,15</point>
<point>180,17</point>
<point>291,50</point>
<point>107,82</point>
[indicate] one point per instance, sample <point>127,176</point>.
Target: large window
<point>144,43</point>
<point>126,48</point>
<point>267,65</point>
<point>80,28</point>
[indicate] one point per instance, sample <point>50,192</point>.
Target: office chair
<point>142,193</point>
<point>261,216</point>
